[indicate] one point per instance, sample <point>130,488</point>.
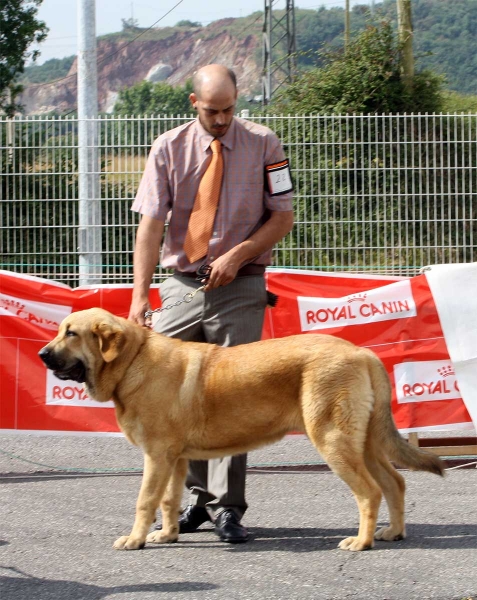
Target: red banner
<point>394,317</point>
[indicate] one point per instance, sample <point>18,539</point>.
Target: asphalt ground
<point>57,527</point>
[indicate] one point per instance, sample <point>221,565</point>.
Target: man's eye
<point>70,333</point>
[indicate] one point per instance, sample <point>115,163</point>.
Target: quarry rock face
<point>159,72</point>
<point>173,59</point>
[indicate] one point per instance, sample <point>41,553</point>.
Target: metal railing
<point>382,193</point>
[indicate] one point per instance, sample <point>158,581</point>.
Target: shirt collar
<point>206,138</point>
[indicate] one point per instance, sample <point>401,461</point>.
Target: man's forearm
<point>146,254</point>
<point>271,232</point>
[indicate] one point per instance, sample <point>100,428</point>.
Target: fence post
<point>89,198</point>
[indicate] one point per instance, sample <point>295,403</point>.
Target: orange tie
<point>201,220</point>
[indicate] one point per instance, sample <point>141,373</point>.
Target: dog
<point>185,400</point>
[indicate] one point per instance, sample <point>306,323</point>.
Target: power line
<point>247,26</point>
<point>140,34</point>
<point>36,86</point>
<point>243,30</point>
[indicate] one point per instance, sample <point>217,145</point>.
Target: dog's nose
<point>47,357</point>
<point>44,353</point>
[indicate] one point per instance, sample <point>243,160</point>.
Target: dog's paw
<point>126,542</point>
<point>159,537</point>
<point>354,544</point>
<point>390,534</point>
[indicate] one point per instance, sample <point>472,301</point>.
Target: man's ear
<point>110,339</point>
<point>193,100</point>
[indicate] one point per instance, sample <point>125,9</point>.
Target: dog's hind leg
<point>393,487</point>
<point>157,471</point>
<point>344,455</point>
<point>170,506</point>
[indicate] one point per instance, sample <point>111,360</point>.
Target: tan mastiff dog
<point>184,400</point>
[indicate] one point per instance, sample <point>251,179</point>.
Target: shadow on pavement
<point>309,539</point>
<point>42,477</point>
<point>25,586</point>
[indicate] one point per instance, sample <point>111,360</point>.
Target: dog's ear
<point>111,340</point>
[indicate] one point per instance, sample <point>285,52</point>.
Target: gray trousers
<point>226,316</point>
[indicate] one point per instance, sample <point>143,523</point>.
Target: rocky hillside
<point>444,41</point>
<point>168,54</point>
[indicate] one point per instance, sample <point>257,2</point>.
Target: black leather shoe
<point>229,529</point>
<point>191,519</point>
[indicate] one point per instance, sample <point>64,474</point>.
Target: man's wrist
<point>242,254</point>
<point>140,298</point>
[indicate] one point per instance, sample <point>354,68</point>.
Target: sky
<point>61,16</point>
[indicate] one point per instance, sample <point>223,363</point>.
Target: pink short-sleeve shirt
<point>176,163</point>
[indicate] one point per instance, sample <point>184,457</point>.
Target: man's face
<point>215,109</point>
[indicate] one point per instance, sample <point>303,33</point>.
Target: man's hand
<point>223,271</point>
<point>137,310</point>
<point>148,240</point>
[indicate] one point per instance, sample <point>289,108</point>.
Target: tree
<point>130,24</point>
<point>315,28</point>
<point>148,98</point>
<point>364,79</point>
<point>187,23</point>
<point>443,40</point>
<point>55,68</point>
<point>19,28</point>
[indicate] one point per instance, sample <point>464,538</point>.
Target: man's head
<point>214,98</point>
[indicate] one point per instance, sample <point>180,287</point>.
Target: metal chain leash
<point>203,274</point>
<point>185,298</point>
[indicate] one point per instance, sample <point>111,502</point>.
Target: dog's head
<point>85,341</point>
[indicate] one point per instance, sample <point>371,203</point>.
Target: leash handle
<point>203,273</point>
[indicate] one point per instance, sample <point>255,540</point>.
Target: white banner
<point>394,301</point>
<point>454,289</point>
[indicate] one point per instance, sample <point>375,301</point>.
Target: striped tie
<point>201,220</point>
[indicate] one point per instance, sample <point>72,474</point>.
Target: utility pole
<point>10,135</point>
<point>279,48</point>
<point>89,196</point>
<point>406,35</point>
<point>346,32</point>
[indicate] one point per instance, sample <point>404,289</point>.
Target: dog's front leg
<point>170,505</point>
<point>157,471</point>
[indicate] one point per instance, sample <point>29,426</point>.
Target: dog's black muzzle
<point>75,372</point>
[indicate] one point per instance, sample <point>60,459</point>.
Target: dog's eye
<point>70,333</point>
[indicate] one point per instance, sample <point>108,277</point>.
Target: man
<point>245,225</point>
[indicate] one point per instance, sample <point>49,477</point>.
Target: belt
<point>243,272</point>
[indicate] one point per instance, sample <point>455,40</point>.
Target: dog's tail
<point>383,428</point>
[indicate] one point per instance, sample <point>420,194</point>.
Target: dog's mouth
<point>76,372</point>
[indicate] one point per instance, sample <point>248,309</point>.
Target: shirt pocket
<point>245,174</point>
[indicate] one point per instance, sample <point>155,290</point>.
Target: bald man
<point>253,214</point>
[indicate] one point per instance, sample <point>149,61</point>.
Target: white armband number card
<point>278,178</point>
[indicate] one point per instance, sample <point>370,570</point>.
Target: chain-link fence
<point>382,193</point>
